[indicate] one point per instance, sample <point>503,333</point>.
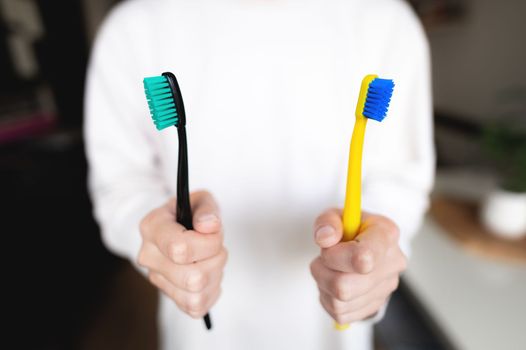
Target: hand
<point>187,265</point>
<point>356,278</point>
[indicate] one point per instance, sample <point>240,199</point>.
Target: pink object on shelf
<point>23,127</point>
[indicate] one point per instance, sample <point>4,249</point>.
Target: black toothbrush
<point>184,210</point>
<point>167,109</point>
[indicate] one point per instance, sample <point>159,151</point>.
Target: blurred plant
<point>505,140</point>
<point>506,145</point>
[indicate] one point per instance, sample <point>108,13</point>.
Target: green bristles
<point>160,101</point>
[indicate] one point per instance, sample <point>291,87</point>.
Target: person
<point>270,89</point>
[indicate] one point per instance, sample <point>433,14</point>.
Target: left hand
<point>356,278</point>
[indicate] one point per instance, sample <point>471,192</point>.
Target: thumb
<point>328,228</point>
<point>206,216</point>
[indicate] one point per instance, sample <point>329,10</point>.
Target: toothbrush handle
<point>352,209</point>
<point>184,211</point>
<point>183,208</point>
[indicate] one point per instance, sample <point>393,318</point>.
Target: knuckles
<point>337,307</point>
<point>195,303</point>
<point>148,223</point>
<point>145,225</point>
<point>339,288</point>
<point>142,258</point>
<point>196,281</point>
<point>154,279</point>
<point>180,252</point>
<point>363,260</point>
<point>390,228</point>
<point>337,284</point>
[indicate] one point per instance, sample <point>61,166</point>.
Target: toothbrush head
<point>375,95</point>
<point>165,101</point>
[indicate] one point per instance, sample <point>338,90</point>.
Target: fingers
<point>206,216</point>
<point>196,277</point>
<point>341,286</point>
<point>349,297</point>
<point>187,265</point>
<point>194,304</point>
<point>368,310</point>
<point>192,277</point>
<point>348,257</point>
<point>379,292</point>
<point>175,242</point>
<point>188,246</point>
<point>355,278</point>
<point>328,228</point>
<point>377,235</point>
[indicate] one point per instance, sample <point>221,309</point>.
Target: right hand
<point>186,265</point>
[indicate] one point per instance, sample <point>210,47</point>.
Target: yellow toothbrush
<point>373,102</point>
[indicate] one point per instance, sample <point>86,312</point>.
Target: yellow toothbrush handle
<point>352,209</point>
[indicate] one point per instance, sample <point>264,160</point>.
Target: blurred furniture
<point>57,269</point>
<point>478,301</point>
<point>407,326</point>
<point>459,219</point>
<point>126,315</point>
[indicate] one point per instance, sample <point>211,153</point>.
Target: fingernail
<point>207,218</point>
<point>324,232</point>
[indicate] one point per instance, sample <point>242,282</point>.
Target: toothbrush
<point>373,102</point>
<point>167,109</point>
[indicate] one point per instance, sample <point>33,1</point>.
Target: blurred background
<point>466,284</point>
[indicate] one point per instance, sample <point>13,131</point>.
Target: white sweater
<point>270,88</point>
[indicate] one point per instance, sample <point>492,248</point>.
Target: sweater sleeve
<point>400,169</point>
<point>124,179</point>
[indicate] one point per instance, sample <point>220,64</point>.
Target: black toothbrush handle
<point>183,209</point>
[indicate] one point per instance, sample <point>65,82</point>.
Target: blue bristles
<point>378,98</point>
